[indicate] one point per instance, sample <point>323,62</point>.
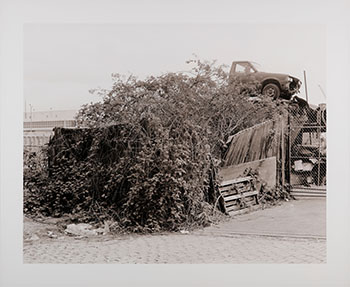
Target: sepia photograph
<point>174,143</point>
<point>162,143</point>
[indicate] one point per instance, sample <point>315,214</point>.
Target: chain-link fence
<point>307,147</point>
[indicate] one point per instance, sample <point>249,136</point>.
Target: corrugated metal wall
<point>255,143</point>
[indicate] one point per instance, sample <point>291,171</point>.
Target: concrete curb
<point>249,234</point>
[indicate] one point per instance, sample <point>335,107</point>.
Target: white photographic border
<point>14,14</point>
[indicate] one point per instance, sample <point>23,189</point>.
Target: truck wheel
<point>271,90</point>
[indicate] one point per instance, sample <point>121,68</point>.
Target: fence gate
<point>307,152</point>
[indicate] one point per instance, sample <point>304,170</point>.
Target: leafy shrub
<point>147,154</point>
<point>150,176</point>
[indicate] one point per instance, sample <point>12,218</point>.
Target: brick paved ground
<point>178,248</point>
<point>229,242</point>
<point>302,218</point>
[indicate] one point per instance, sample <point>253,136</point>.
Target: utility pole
<point>307,98</point>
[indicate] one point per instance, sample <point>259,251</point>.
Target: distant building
<point>38,126</point>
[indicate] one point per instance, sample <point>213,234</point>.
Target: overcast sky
<point>62,62</point>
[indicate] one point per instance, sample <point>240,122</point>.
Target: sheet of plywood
<point>265,167</point>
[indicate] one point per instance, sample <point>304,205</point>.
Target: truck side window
<point>243,68</point>
<point>240,68</point>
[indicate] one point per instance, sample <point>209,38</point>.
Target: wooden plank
<point>230,191</point>
<point>241,184</point>
<point>249,193</point>
<point>233,208</point>
<point>267,169</point>
<point>236,186</point>
<point>236,180</point>
<point>248,200</point>
<point>231,203</point>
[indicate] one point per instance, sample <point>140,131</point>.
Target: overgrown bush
<point>34,173</point>
<point>147,154</point>
<point>151,177</point>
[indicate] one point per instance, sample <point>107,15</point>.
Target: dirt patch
<point>49,229</point>
<point>43,228</point>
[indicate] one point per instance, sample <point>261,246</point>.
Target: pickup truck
<point>272,84</point>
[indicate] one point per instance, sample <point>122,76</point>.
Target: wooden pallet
<point>239,195</point>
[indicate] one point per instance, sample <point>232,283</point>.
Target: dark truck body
<point>272,84</point>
